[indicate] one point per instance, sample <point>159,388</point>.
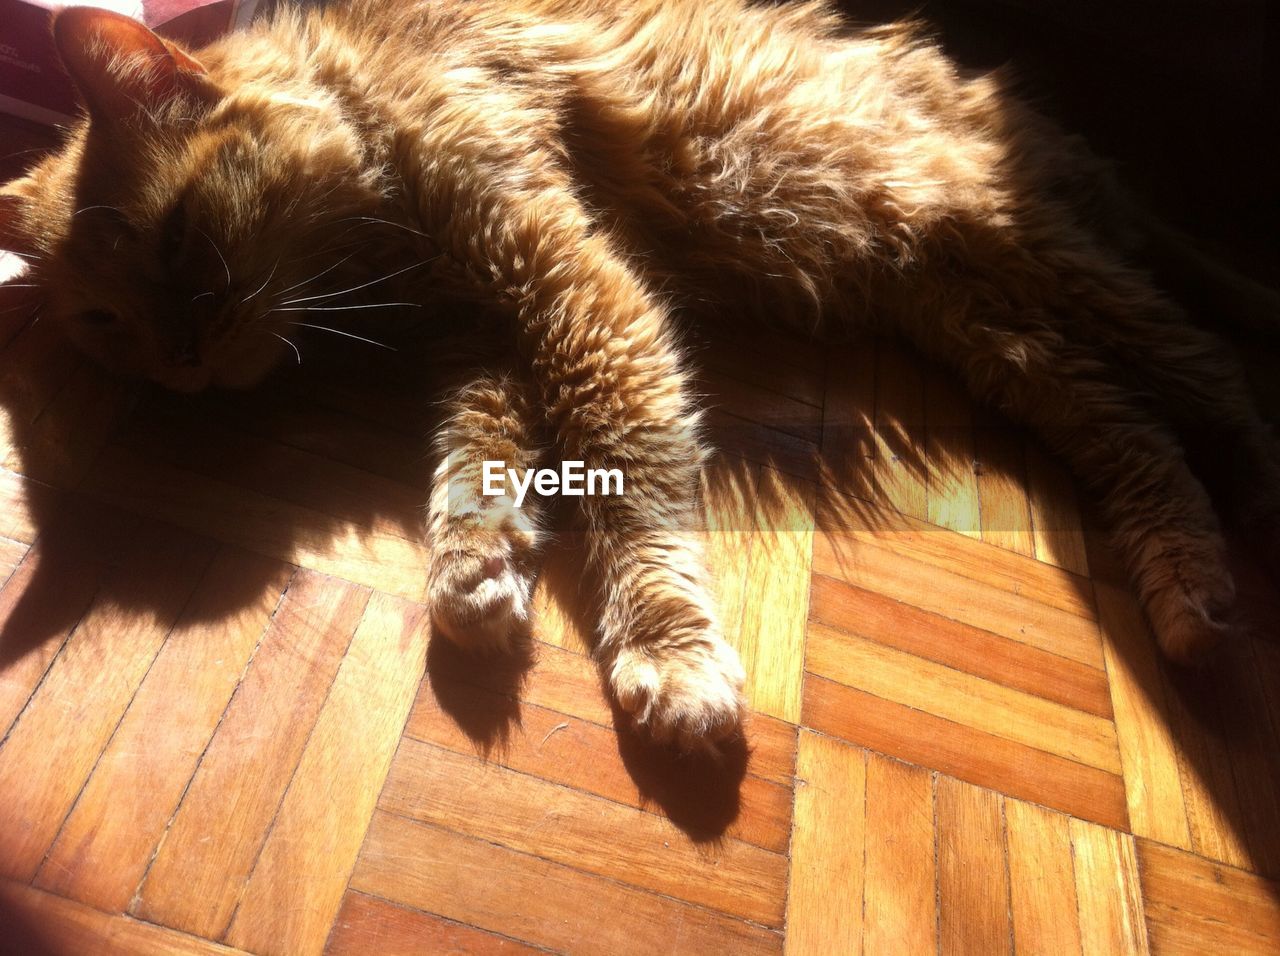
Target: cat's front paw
<point>479,590</point>
<point>686,690</point>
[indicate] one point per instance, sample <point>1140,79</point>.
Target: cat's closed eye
<point>97,317</point>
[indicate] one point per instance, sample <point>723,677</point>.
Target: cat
<point>600,172</point>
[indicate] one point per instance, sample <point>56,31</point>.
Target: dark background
<point>1181,94</point>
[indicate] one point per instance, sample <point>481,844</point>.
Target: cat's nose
<point>186,352</point>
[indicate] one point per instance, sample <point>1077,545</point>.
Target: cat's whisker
<point>28,152</point>
<point>14,308</point>
<point>356,288</point>
<point>349,335</point>
<point>290,344</point>
<point>220,255</point>
<point>91,208</point>
<point>265,283</point>
<point>386,222</point>
<point>346,308</point>
<point>202,295</point>
<point>318,275</point>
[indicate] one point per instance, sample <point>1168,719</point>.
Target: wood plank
<point>395,405</point>
<point>562,598</point>
<point>452,875</point>
<point>259,523</point>
<point>1209,789</point>
<point>1267,655</point>
<point>1042,882</point>
<point>761,444</point>
<point>197,877</point>
<point>768,372</point>
<point>798,347</point>
<point>854,610</point>
<point>24,505</point>
<point>377,505</point>
<point>1246,733</point>
<point>952,457</point>
<point>1105,564</point>
<point>772,744</point>
<point>60,445</point>
<point>729,498</point>
<point>38,362</point>
<point>761,405</point>
<point>973,874</point>
<point>568,683</point>
<point>901,470</point>
<point>332,433</point>
<point>962,698</point>
<point>771,639</point>
<point>825,894</point>
<point>109,838</point>
<point>1055,513</point>
<point>901,876</point>
<point>1148,750</point>
<point>848,420</point>
<point>296,889</point>
<point>702,796</point>
<point>1107,891</point>
<point>960,751</point>
<point>45,598</point>
<point>88,687</point>
<point>36,922</point>
<point>1198,906</point>
<point>530,815</point>
<point>12,554</point>
<point>368,925</point>
<point>1002,608</point>
<point>847,518</point>
<point>1002,485</point>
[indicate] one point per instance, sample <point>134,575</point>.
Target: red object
<point>32,82</point>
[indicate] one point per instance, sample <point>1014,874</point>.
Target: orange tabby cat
<point>565,159</point>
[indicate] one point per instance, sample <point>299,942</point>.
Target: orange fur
<point>567,160</point>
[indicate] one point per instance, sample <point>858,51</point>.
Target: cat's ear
<point>120,67</point>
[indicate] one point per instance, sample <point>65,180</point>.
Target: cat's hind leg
<point>1203,388</point>
<point>482,547</point>
<point>1198,384</point>
<point>1159,514</point>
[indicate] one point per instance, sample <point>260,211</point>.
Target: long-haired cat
<point>594,170</point>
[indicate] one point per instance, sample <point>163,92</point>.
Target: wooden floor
<point>216,733</point>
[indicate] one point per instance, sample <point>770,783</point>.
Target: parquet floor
<point>216,734</point>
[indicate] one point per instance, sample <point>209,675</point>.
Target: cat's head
<point>180,212</point>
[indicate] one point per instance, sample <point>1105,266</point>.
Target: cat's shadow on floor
<point>326,466</point>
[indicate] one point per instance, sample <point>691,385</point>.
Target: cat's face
<point>172,226</point>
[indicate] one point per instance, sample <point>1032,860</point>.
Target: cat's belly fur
<point>765,185</point>
<point>746,177</point>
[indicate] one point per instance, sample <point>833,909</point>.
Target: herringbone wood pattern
<point>216,733</point>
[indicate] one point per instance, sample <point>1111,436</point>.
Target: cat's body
<point>599,171</point>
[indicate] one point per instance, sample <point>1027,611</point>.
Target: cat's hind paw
<point>479,595</point>
<point>686,692</point>
<point>1190,618</point>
